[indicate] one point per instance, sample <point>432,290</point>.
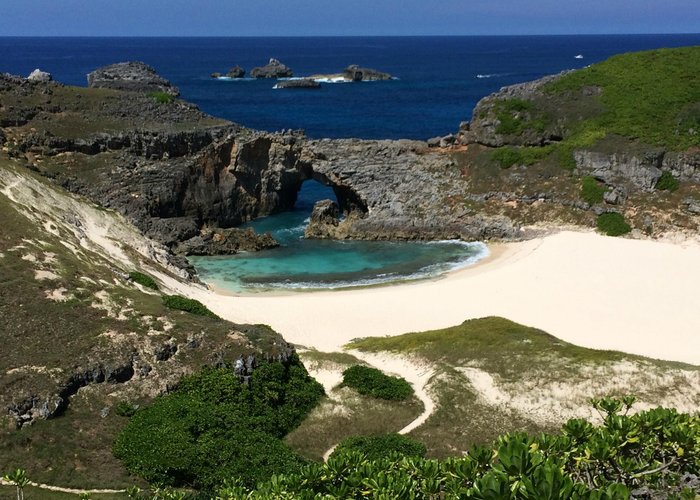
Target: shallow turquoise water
<point>300,264</point>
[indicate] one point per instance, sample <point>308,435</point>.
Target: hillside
<point>104,193</point>
<point>80,336</point>
<point>619,136</point>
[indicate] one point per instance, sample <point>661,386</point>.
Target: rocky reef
<point>130,76</point>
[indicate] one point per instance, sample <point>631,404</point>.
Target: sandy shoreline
<point>637,296</point>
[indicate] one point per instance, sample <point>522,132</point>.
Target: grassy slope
<point>631,102</point>
<point>45,341</point>
<point>533,371</point>
<point>651,96</point>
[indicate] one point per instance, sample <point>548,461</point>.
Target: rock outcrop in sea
<point>303,83</point>
<point>131,76</point>
<point>273,69</point>
<point>356,73</point>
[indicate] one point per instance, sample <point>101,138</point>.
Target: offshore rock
<point>236,72</point>
<point>131,76</point>
<point>356,73</point>
<point>273,69</point>
<point>39,76</point>
<point>304,83</point>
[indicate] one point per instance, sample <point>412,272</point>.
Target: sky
<point>346,17</point>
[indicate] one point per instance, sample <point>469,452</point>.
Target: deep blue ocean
<point>439,80</point>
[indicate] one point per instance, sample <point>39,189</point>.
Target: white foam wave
<point>490,75</point>
<point>229,79</point>
<point>426,272</point>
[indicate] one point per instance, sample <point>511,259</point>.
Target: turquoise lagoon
<point>304,265</point>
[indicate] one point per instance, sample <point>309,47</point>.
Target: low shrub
<point>613,224</point>
<point>180,303</point>
<point>592,191</point>
<point>124,409</point>
<point>656,450</point>
<point>143,280</point>
<point>162,97</point>
<point>375,447</point>
<point>372,382</point>
<point>214,427</point>
<point>506,157</point>
<point>667,182</point>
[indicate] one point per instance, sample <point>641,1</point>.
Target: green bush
<point>372,382</point>
<point>143,280</point>
<point>213,427</point>
<point>592,191</point>
<point>613,224</point>
<point>124,409</point>
<point>652,449</point>
<point>162,97</point>
<point>375,447</point>
<point>506,157</point>
<point>667,182</point>
<point>180,303</point>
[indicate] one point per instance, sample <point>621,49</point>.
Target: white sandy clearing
<point>636,296</point>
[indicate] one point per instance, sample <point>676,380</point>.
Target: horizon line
<point>360,36</point>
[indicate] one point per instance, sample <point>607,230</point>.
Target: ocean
<point>438,82</point>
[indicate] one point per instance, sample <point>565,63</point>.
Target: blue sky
<point>347,17</point>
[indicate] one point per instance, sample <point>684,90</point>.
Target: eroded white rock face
<point>39,76</point>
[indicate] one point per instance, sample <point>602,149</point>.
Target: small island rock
<point>131,76</point>
<point>357,74</point>
<point>273,69</point>
<point>236,72</point>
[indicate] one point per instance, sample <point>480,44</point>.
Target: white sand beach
<point>636,296</point>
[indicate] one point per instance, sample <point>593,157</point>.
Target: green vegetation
<point>215,427</point>
<point>346,413</point>
<point>651,449</point>
<point>143,280</point>
<point>372,382</point>
<point>613,224</point>
<point>667,182</point>
<point>180,303</point>
<point>516,115</point>
<point>19,479</point>
<point>124,409</point>
<point>507,156</point>
<point>376,447</point>
<point>650,96</point>
<point>592,191</point>
<point>162,97</point>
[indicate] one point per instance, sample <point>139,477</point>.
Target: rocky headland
<point>131,76</point>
